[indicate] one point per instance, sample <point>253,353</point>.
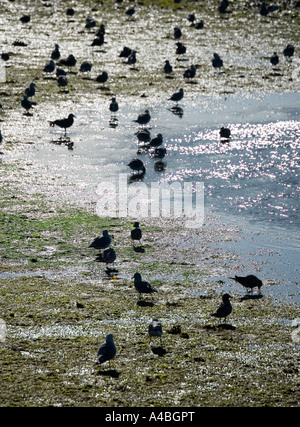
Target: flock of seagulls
<point>107,350</point>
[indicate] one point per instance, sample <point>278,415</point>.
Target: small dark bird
<point>143,118</point>
<point>177,33</point>
<point>25,19</point>
<point>125,52</point>
<point>274,59</point>
<point>102,78</point>
<point>62,81</point>
<point>5,56</point>
<point>141,286</point>
<point>99,40</point>
<point>70,11</point>
<point>100,31</point>
<point>136,232</point>
<point>223,6</point>
<point>70,61</point>
<point>60,72</point>
<point>190,72</point>
<point>64,123</point>
<point>168,67</point>
<point>157,141</point>
<point>107,351</point>
<point>143,135</point>
<point>102,242</point>
<point>160,152</point>
<point>90,23</point>
<point>137,165</point>
<point>199,25</point>
<point>109,256</point>
<point>30,90</point>
<point>249,282</point>
<point>132,58</point>
<point>86,67</point>
<point>155,329</point>
<point>181,49</point>
<point>55,55</point>
<point>49,67</point>
<point>26,104</point>
<point>288,51</point>
<point>263,9</point>
<point>113,106</point>
<point>217,62</point>
<point>130,12</point>
<point>177,96</point>
<point>224,309</point>
<point>191,18</point>
<point>225,132</point>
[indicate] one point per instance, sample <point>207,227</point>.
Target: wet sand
<point>58,303</point>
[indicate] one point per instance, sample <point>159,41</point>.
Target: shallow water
<point>251,181</point>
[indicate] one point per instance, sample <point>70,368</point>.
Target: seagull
<point>199,25</point>
<point>64,123</point>
<point>30,90</point>
<point>26,104</point>
<point>102,78</point>
<point>157,141</point>
<point>55,55</point>
<point>143,135</point>
<point>225,132</point>
<point>137,165</point>
<point>143,118</point>
<point>109,256</point>
<point>70,61</point>
<point>62,81</point>
<point>177,96</point>
<point>155,329</point>
<point>288,51</point>
<point>181,49</point>
<point>132,58</point>
<point>224,308</point>
<point>177,33</point>
<point>223,6</point>
<point>113,106</point>
<point>190,72</point>
<point>130,12</point>
<point>160,152</point>
<point>274,59</point>
<point>168,67</point>
<point>86,66</point>
<point>217,62</point>
<point>141,286</point>
<point>249,282</point>
<point>90,23</point>
<point>107,351</point>
<point>49,67</point>
<point>102,242</point>
<point>125,52</point>
<point>136,232</point>
<point>99,40</point>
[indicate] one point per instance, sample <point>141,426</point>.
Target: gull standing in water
<point>64,123</point>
